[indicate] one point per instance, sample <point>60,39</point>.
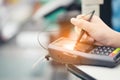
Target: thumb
<point>83,24</point>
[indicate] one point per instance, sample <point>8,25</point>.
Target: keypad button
<point>103,50</point>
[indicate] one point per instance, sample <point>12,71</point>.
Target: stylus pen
<point>82,31</point>
<point>79,73</point>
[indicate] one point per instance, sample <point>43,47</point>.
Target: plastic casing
<point>63,55</point>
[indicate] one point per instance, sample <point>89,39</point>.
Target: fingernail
<point>73,20</point>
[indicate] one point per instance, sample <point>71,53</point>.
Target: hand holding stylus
<point>98,30</point>
<point>83,31</point>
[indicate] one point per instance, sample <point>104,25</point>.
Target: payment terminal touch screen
<point>62,50</point>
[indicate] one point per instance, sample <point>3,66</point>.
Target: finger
<point>87,39</point>
<point>98,44</point>
<point>82,24</point>
<point>77,30</point>
<point>90,39</point>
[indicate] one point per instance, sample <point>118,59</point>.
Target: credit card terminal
<point>62,50</point>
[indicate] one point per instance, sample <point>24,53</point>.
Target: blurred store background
<point>26,23</point>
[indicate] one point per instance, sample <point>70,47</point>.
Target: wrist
<point>114,39</point>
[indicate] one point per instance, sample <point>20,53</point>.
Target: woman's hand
<point>97,29</point>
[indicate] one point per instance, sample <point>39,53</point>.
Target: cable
<point>47,57</point>
<point>40,42</point>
